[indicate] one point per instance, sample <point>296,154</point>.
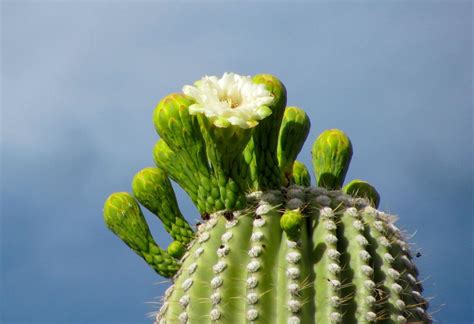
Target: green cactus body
<point>270,248</point>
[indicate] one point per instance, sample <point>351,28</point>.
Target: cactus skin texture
<point>270,248</point>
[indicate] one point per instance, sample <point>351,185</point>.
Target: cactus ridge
<point>270,248</point>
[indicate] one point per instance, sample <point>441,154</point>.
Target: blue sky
<point>79,84</point>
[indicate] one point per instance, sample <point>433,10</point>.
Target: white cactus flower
<point>231,100</point>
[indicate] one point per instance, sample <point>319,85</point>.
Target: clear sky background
<point>80,81</point>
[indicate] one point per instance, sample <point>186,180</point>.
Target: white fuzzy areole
<point>223,251</point>
<point>294,305</point>
<point>330,239</point>
<point>364,255</point>
<point>370,316</point>
<point>219,267</point>
<point>292,244</point>
<point>293,288</point>
<point>368,271</point>
<point>259,222</point>
<point>326,212</point>
<point>215,298</point>
<point>358,225</point>
<point>252,314</point>
<point>397,288</point>
<point>384,241</point>
<point>231,223</point>
<point>212,222</point>
<point>192,268</point>
<point>412,279</point>
<point>335,317</point>
<point>256,236</point>
<point>187,284</point>
<point>400,304</point>
<point>418,297</point>
<point>369,285</point>
<point>164,307</point>
<point>420,310</point>
<point>330,225</point>
<point>362,240</point>
<point>253,266</point>
<point>406,261</point>
<point>252,282</point>
<point>263,209</point>
<point>293,257</point>
<point>198,252</point>
<point>252,298</point>
<point>216,282</point>
<point>215,314</point>
<point>379,226</point>
<point>334,268</point>
<point>294,320</point>
<point>335,301</point>
<point>169,291</point>
<point>184,301</point>
<point>370,300</point>
<point>388,257</point>
<point>227,236</point>
<point>351,211</point>
<point>255,251</point>
<point>370,211</point>
<point>183,318</point>
<point>334,254</point>
<point>336,284</point>
<point>393,273</point>
<point>293,273</point>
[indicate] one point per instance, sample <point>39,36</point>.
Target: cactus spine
<point>270,248</point>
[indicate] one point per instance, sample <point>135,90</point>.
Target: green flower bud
<point>294,130</point>
<point>124,218</point>
<point>291,222</point>
<point>153,190</point>
<point>331,152</point>
<point>301,175</point>
<point>362,189</point>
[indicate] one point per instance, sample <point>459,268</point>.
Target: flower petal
<point>231,100</point>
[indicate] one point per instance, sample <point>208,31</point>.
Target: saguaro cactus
<point>270,248</point>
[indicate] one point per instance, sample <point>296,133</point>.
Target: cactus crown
<point>270,248</point>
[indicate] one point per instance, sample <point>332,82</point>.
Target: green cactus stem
<point>275,264</point>
<point>270,248</point>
